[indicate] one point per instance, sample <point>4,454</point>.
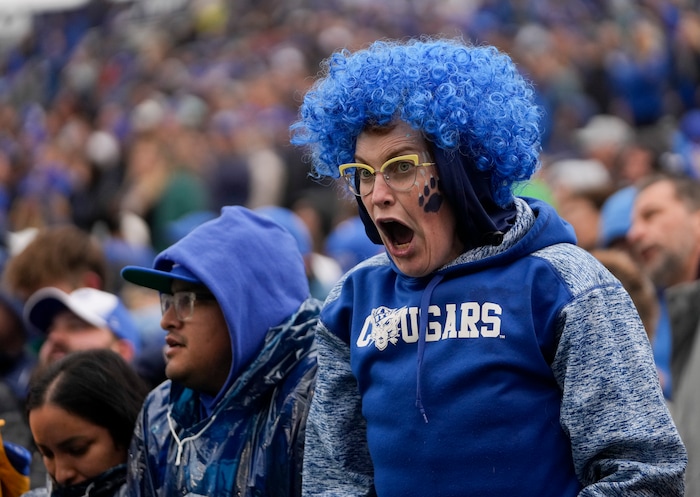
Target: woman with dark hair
<point>82,410</point>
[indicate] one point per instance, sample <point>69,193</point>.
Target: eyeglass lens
<point>399,175</point>
<point>183,302</point>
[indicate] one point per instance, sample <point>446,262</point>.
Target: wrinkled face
<point>73,449</point>
<point>198,350</point>
<point>417,226</point>
<point>665,235</point>
<point>69,333</point>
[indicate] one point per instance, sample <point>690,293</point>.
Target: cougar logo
<point>385,326</point>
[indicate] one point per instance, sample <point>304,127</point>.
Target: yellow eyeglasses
<point>399,173</point>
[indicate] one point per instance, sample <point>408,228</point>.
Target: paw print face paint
<point>420,236</point>
<point>431,192</point>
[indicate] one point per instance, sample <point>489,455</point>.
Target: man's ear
<point>125,349</point>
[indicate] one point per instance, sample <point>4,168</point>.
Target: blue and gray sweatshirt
<point>516,370</point>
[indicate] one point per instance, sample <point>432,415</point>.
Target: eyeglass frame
<point>168,300</point>
<point>350,179</point>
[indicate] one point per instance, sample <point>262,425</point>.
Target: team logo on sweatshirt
<point>385,325</point>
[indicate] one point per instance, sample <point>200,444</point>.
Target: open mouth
<point>397,233</point>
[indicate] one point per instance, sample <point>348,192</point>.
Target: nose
<point>169,318</point>
<point>56,337</point>
<point>64,472</point>
<point>381,194</point>
<point>635,232</point>
<point>56,332</point>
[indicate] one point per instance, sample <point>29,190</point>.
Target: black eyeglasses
<point>183,302</point>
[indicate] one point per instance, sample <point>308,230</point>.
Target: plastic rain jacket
<point>256,433</point>
<point>250,442</point>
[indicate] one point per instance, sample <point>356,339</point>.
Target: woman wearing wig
<point>82,411</point>
<point>484,353</point>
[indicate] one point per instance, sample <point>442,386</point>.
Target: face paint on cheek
<point>432,193</point>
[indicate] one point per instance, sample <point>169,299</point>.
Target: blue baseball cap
<point>158,279</point>
<point>616,216</point>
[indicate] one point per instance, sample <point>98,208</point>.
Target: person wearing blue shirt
<point>483,353</point>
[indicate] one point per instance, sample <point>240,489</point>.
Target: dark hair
<point>97,385</point>
<point>686,189</point>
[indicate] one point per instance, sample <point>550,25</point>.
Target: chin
<point>412,271</point>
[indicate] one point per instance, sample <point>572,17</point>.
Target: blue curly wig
<point>470,103</point>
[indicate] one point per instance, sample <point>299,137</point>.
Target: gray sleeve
<point>336,457</point>
<point>623,439</point>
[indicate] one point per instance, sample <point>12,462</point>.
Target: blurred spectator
<point>582,209</point>
<point>68,258</point>
<point>641,157</point>
<point>665,239</point>
<point>82,411</point>
<point>17,363</point>
<point>83,319</point>
<point>229,178</point>
<point>159,190</point>
<point>17,359</point>
<point>639,70</point>
<point>603,138</point>
<point>687,143</point>
<point>616,219</point>
<point>665,230</point>
<point>579,188</point>
<point>322,271</point>
<point>348,244</point>
<point>63,256</point>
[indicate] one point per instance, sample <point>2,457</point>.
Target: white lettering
<point>385,326</point>
<point>450,330</point>
<point>409,331</point>
<point>366,334</point>
<point>492,323</point>
<point>471,313</point>
<point>433,334</point>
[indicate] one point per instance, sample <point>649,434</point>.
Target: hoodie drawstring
<point>179,442</point>
<point>422,332</point>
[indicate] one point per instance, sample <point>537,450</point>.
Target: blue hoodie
<point>518,369</point>
<point>248,439</point>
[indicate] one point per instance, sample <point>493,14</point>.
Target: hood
<point>254,269</point>
<point>548,228</point>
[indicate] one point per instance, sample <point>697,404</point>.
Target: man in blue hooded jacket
<point>240,362</point>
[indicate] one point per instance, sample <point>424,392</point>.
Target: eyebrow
<point>66,444</point>
<point>397,152</point>
<point>70,441</point>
